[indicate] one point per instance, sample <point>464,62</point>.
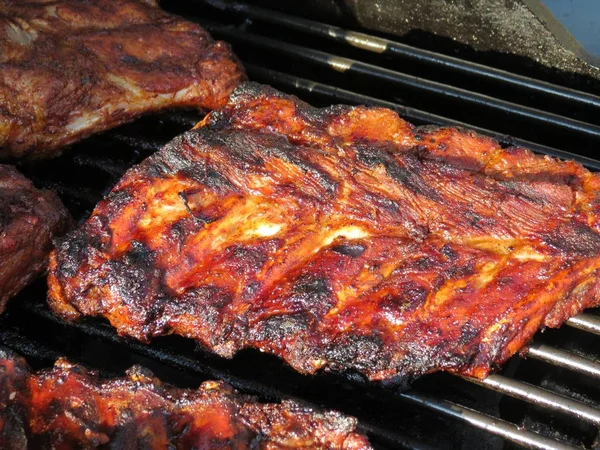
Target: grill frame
<point>195,363</point>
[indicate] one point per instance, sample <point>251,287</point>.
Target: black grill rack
<point>548,397</point>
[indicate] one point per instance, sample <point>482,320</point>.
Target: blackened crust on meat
<point>74,407</point>
<point>29,218</point>
<point>70,69</point>
<point>13,378</point>
<point>340,239</point>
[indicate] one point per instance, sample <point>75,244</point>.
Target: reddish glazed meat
<point>341,239</point>
<point>69,407</point>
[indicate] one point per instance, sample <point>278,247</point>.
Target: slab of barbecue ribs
<point>69,407</point>
<point>29,218</point>
<point>71,68</point>
<point>341,238</point>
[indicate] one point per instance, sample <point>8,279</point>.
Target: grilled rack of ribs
<point>69,69</point>
<point>29,218</point>
<point>70,407</point>
<point>341,239</point>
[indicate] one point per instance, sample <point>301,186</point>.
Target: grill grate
<point>546,398</point>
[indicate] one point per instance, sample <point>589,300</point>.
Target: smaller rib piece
<point>70,407</point>
<point>69,69</point>
<point>29,218</point>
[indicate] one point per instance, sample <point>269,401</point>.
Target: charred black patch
<point>404,169</point>
<point>383,202</point>
<point>131,60</point>
<point>325,181</point>
<point>318,117</point>
<point>219,120</point>
<point>55,406</point>
<point>574,237</point>
<point>178,231</point>
<point>311,284</point>
<point>449,253</point>
<point>408,174</point>
<point>478,221</point>
<point>136,277</point>
<point>410,298</point>
<point>157,169</point>
<point>505,281</point>
<point>212,179</point>
<point>125,434</point>
<point>360,352</point>
<point>311,293</point>
<point>139,254</point>
<point>282,149</point>
<point>460,271</point>
<point>280,327</point>
<point>119,199</point>
<point>246,260</point>
<point>205,303</point>
<point>171,159</point>
<point>244,148</point>
<point>424,263</point>
<point>204,295</point>
<point>371,155</point>
<point>524,191</point>
<point>250,90</point>
<point>473,218</point>
<point>5,215</point>
<point>468,333</point>
<point>250,289</point>
<point>13,430</point>
<point>352,250</point>
<point>71,252</point>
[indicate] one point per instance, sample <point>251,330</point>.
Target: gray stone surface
<point>493,28</point>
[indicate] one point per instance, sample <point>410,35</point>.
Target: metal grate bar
<point>82,194</point>
<point>498,427</point>
<point>564,359</point>
<point>411,114</point>
<point>370,71</point>
<point>98,162</point>
<point>390,438</point>
<point>137,142</point>
<point>183,118</point>
<point>539,397</point>
<point>16,341</point>
<point>380,45</point>
<point>585,322</point>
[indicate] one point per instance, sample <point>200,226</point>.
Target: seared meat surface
<point>69,407</point>
<point>341,238</point>
<point>71,68</point>
<point>13,377</point>
<point>29,218</point>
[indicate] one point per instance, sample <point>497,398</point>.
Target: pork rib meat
<point>70,407</point>
<point>29,219</point>
<point>69,69</point>
<point>341,238</point>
